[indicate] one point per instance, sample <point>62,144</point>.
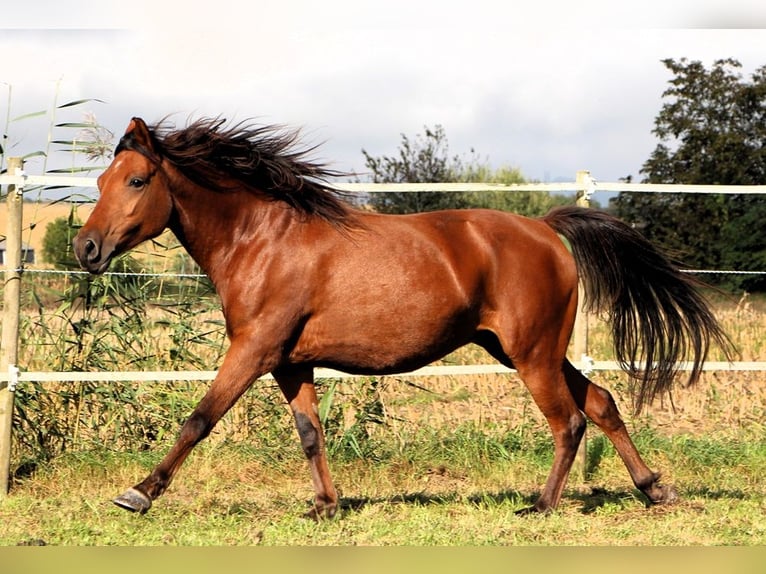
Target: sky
<point>550,88</point>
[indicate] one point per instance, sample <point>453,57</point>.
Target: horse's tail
<point>654,309</point>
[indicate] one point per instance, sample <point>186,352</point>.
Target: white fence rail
<point>21,180</point>
<point>322,373</point>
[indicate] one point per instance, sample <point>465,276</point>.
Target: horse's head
<point>134,203</point>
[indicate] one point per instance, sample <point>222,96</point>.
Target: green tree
<point>57,242</point>
<point>426,159</point>
<point>712,130</point>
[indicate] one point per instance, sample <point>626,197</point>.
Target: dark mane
<point>263,159</point>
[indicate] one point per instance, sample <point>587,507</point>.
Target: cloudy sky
<point>550,89</point>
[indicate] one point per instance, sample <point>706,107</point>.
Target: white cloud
<point>550,90</point>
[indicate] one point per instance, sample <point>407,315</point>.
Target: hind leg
<point>551,394</point>
<point>600,407</point>
<point>544,378</point>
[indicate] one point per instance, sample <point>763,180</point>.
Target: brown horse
<point>305,281</point>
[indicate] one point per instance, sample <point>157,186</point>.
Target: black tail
<point>655,310</point>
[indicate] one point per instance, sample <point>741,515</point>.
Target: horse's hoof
<point>669,495</point>
<point>661,493</point>
<point>319,514</point>
<point>134,500</point>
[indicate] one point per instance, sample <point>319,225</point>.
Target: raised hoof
<point>134,500</point>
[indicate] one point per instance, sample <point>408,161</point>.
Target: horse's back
<point>478,244</point>
<point>469,251</point>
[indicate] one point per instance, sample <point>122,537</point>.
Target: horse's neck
<point>211,225</point>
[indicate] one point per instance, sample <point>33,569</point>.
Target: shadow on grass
<point>424,499</point>
<point>721,494</point>
<point>523,502</point>
<point>599,498</point>
<point>591,500</point>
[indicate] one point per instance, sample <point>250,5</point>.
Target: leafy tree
<point>426,159</point>
<point>712,130</point>
<point>57,242</point>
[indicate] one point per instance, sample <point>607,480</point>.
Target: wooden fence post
<point>9,349</point>
<point>580,335</point>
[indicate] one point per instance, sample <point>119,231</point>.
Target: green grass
<point>446,488</point>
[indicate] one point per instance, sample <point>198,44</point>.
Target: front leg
<point>297,384</point>
<point>237,373</point>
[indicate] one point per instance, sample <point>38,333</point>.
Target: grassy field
<point>450,466</point>
<point>231,494</point>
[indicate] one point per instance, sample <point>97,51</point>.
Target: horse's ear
<point>139,131</point>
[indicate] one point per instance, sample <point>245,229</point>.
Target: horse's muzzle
<point>91,254</point>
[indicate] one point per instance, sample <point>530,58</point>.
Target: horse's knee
<point>308,434</point>
<point>568,432</point>
<point>196,428</point>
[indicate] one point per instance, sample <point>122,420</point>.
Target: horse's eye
<point>137,182</point>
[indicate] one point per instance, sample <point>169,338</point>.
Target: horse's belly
<point>389,343</point>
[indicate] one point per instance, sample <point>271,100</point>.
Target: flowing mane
<point>261,158</point>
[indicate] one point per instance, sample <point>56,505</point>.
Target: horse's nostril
<point>91,249</point>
